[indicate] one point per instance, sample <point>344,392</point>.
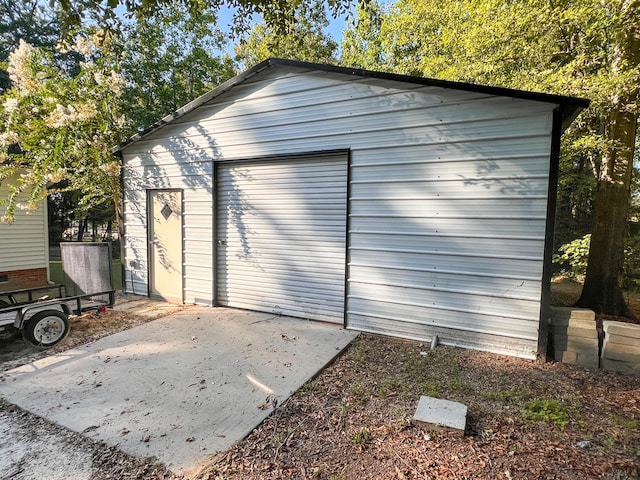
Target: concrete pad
<point>181,387</point>
<point>437,413</point>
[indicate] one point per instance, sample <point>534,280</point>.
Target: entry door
<point>281,236</point>
<point>165,244</point>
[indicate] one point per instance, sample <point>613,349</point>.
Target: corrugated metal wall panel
<point>281,236</point>
<point>447,199</point>
<point>195,177</point>
<point>451,241</point>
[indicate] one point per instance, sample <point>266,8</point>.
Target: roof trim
<point>570,107</point>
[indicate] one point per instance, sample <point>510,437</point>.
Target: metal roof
<point>570,106</point>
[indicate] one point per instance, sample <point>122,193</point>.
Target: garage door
<point>281,236</point>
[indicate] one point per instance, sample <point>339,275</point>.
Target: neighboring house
<point>391,204</point>
<point>24,247</point>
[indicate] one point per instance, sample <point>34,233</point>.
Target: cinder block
<point>588,360</point>
<point>621,328</point>
<point>580,359</point>
<point>573,317</point>
<point>435,413</point>
<point>623,353</point>
<point>565,357</point>
<point>621,340</point>
<point>576,332</point>
<point>617,366</point>
<point>563,342</point>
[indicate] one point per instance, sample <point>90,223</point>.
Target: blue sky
<point>335,28</point>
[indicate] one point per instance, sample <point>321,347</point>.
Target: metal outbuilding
<point>391,204</point>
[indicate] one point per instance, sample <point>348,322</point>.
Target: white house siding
<point>24,243</point>
<point>448,193</point>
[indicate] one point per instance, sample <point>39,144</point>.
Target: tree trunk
<point>82,227</point>
<point>602,291</point>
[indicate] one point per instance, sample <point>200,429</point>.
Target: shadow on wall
<point>174,162</point>
<point>448,198</point>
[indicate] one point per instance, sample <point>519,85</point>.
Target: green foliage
<point>585,48</point>
<point>362,437</point>
<point>550,411</point>
<point>304,41</point>
<point>574,256</point>
<point>58,125</point>
<point>169,60</point>
<point>362,43</point>
<point>279,15</point>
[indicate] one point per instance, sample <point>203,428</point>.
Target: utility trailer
<point>42,313</point>
<point>44,320</point>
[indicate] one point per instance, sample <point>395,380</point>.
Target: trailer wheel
<point>46,328</point>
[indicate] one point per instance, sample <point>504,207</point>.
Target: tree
<point>279,15</point>
<point>58,128</point>
<point>168,60</point>
<point>576,47</point>
<point>305,41</point>
<point>28,20</point>
<point>362,41</point>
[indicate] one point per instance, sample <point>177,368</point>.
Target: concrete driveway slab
<point>179,388</point>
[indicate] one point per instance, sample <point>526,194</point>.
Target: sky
<point>334,29</point>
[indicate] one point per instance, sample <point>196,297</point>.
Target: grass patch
<point>550,411</point>
<point>362,437</point>
<point>626,423</point>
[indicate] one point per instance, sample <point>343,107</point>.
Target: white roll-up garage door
<point>281,236</point>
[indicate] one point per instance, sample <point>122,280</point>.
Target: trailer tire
<point>46,328</point>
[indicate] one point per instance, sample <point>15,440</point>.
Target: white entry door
<point>165,244</point>
<point>281,236</point>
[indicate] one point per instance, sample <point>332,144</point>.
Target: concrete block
<point>576,332</point>
<point>588,360</point>
<point>563,342</point>
<point>580,359</point>
<point>623,353</point>
<point>565,357</point>
<point>435,414</point>
<point>573,317</point>
<point>621,340</point>
<point>617,366</point>
<point>621,328</point>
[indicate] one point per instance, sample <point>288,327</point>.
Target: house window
<point>4,277</point>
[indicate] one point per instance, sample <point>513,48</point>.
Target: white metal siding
<point>450,241</point>
<point>281,236</point>
<point>193,174</point>
<point>447,202</point>
<point>24,243</point>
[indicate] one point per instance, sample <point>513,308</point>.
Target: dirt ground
<point>526,420</point>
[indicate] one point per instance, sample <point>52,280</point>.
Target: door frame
<point>150,232</point>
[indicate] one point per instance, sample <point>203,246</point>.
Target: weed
<point>359,392</point>
<point>546,410</point>
<point>459,385</point>
<point>362,437</point>
<point>626,423</point>
<point>430,389</point>
<point>309,388</point>
<point>512,395</point>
